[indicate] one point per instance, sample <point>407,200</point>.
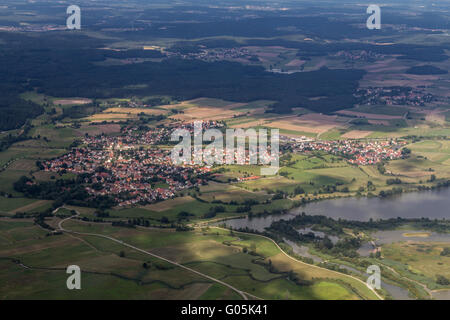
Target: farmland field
<point>201,250</point>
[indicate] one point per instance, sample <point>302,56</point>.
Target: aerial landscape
<point>338,190</point>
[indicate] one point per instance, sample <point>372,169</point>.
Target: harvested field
<point>212,109</point>
<point>178,106</point>
<point>299,126</point>
<point>435,116</point>
<point>311,123</point>
<point>432,115</point>
<point>168,204</point>
<point>295,63</point>
<point>99,129</point>
<point>318,117</point>
<point>368,115</point>
<point>249,124</point>
<point>31,206</point>
<point>11,204</point>
<point>417,234</point>
<point>65,102</point>
<point>383,66</point>
<point>210,102</point>
<point>23,165</point>
<point>356,134</point>
<point>203,113</point>
<point>135,111</point>
<point>209,109</point>
<point>379,122</point>
<point>109,117</point>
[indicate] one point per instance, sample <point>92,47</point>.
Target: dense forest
<point>66,64</point>
<point>15,111</point>
<point>63,66</point>
<point>70,191</point>
<point>426,70</point>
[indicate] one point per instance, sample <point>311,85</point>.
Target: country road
<point>241,293</point>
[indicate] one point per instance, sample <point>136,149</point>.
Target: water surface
<point>430,204</point>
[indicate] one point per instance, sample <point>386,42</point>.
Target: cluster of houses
<point>134,167</point>
<point>394,96</point>
<point>137,166</point>
<point>356,152</point>
<point>359,55</point>
<point>129,167</point>
<point>216,54</point>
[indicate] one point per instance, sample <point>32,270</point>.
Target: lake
<point>431,204</point>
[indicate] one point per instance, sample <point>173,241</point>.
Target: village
<point>131,167</point>
<point>359,55</point>
<point>394,96</point>
<point>211,55</point>
<point>356,152</point>
<point>136,166</point>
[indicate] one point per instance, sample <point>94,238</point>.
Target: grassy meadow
<point>106,264</point>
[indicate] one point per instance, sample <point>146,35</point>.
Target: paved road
<point>241,293</point>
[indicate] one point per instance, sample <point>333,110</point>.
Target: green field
<point>418,260</point>
<point>211,251</point>
<point>429,157</point>
<point>10,204</point>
